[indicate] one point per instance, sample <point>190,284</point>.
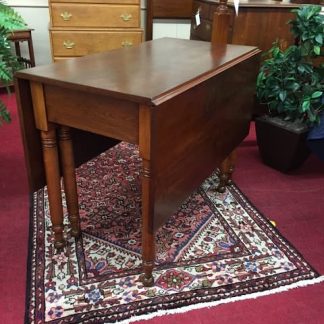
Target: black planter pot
<point>282,145</point>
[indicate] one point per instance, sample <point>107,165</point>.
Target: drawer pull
<point>126,17</point>
<point>68,44</point>
<point>126,44</point>
<point>66,15</point>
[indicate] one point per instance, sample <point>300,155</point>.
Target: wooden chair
<point>19,36</point>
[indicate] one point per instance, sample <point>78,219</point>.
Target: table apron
<point>95,113</point>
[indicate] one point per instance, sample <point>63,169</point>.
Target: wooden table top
<point>149,73</point>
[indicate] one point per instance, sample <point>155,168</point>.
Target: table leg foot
<point>75,232</point>
<point>226,171</point>
<point>223,178</point>
<point>147,277</point>
<point>59,241</point>
<point>147,282</point>
<point>59,244</point>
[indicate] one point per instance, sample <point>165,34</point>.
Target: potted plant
<point>291,83</point>
<point>9,20</point>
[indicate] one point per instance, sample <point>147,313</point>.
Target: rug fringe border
<point>303,283</point>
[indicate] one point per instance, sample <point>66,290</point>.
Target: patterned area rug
<point>216,248</point>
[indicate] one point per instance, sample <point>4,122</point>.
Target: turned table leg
<point>148,241</point>
<point>52,172</point>
<point>69,179</point>
<point>226,171</point>
<point>146,152</point>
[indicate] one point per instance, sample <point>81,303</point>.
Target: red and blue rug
<point>217,248</point>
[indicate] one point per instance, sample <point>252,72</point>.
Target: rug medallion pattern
<point>216,246</point>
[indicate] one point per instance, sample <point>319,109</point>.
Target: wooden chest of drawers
<point>81,27</point>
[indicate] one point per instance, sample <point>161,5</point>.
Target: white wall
<point>37,19</point>
<point>171,28</point>
<point>36,15</point>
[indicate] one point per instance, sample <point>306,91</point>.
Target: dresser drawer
<point>80,43</point>
<point>96,15</point>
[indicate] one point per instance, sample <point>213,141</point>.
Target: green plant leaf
<point>260,77</point>
<point>306,105</point>
<point>301,68</point>
<point>312,117</point>
<point>319,39</point>
<point>290,83</point>
<point>4,114</point>
<point>282,95</point>
<point>316,94</point>
<point>294,86</point>
<point>9,20</point>
<point>275,51</point>
<point>317,50</point>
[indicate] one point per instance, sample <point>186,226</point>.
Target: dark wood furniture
<point>259,22</point>
<point>249,28</point>
<point>166,9</point>
<point>24,35</point>
<point>186,112</point>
